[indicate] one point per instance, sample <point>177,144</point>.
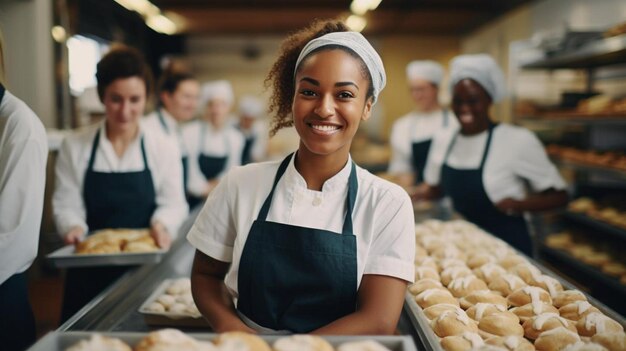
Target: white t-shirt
<point>415,127</point>
<point>163,160</point>
<point>151,122</point>
<point>219,143</point>
<point>383,219</point>
<point>23,156</point>
<point>516,155</point>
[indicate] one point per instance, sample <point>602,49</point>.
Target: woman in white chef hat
<point>214,145</point>
<point>312,243</point>
<point>412,133</point>
<point>252,126</point>
<point>485,166</point>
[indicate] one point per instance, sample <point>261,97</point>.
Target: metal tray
<point>59,341</point>
<point>168,318</point>
<point>65,258</point>
<point>430,340</point>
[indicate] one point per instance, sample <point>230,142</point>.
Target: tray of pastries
<point>173,339</point>
<point>171,304</point>
<point>109,247</point>
<point>474,292</point>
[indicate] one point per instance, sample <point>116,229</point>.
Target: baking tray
<point>65,258</point>
<point>429,339</point>
<point>59,341</point>
<point>169,319</point>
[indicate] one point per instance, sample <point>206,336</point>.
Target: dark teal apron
<point>210,166</point>
<point>246,154</point>
<point>420,149</point>
<point>184,158</point>
<point>467,191</point>
<point>17,322</point>
<point>112,200</point>
<point>295,278</point>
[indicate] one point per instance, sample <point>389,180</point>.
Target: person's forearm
<point>425,191</point>
<point>215,305</point>
<point>360,323</point>
<point>543,201</point>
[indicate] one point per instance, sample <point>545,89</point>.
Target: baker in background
<point>411,134</point>
<point>23,156</point>
<point>114,174</point>
<point>177,93</point>
<point>253,127</point>
<point>214,145</point>
<point>485,166</point>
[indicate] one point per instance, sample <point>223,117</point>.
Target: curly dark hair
<point>122,62</point>
<point>280,78</point>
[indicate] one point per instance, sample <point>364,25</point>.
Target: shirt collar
<point>337,182</point>
<point>103,134</point>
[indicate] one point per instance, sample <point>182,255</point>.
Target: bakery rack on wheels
<point>585,132</point>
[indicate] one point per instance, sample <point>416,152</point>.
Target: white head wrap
<point>217,89</point>
<point>356,42</point>
<point>251,106</point>
<point>425,69</point>
<point>483,69</point>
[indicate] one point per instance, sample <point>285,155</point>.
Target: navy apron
<point>246,154</point>
<point>17,322</point>
<point>112,200</point>
<point>184,158</point>
<point>467,191</point>
<point>419,154</point>
<point>295,278</point>
<point>210,166</point>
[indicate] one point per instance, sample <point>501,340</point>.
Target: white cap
<point>216,89</point>
<point>251,106</point>
<point>481,68</point>
<point>425,69</point>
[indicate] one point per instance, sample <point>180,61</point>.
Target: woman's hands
<point>74,235</point>
<point>160,235</point>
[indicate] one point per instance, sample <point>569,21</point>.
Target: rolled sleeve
<point>532,163</point>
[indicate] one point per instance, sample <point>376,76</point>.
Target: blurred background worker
<point>412,134</point>
<point>253,127</point>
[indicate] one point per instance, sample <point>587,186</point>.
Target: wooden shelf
<point>596,224</point>
<point>605,171</point>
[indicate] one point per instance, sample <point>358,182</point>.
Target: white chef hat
<point>481,68</point>
<point>251,106</point>
<point>356,42</point>
<point>216,89</point>
<point>425,69</point>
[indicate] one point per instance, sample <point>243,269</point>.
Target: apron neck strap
<point>94,147</point>
<point>162,120</point>
<point>2,91</point>
<point>353,187</point>
<point>482,161</point>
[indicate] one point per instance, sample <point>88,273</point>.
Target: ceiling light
<point>58,34</point>
<point>151,14</point>
<point>356,23</point>
<point>360,7</point>
<point>161,24</point>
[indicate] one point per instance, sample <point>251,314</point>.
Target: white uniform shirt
<point>226,142</point>
<point>23,156</point>
<point>163,160</point>
<point>515,155</point>
<point>383,219</point>
<point>151,122</point>
<point>415,127</point>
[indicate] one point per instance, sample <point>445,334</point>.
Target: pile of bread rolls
<point>613,214</point>
<point>590,252</point>
<point>111,241</point>
<point>175,299</point>
<point>609,159</point>
<point>479,294</point>
<point>173,339</point>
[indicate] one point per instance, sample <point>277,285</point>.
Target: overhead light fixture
<point>356,23</point>
<point>58,34</point>
<point>360,7</point>
<point>151,14</point>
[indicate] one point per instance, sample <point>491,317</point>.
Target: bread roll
<point>240,341</point>
<point>488,272</point>
<point>302,343</point>
<point>529,273</point>
<point>479,259</point>
<point>614,269</point>
<point>556,339</point>
<point>576,310</point>
<point>450,273</point>
<point>426,273</point>
<point>585,346</point>
<point>460,287</point>
<point>505,284</point>
<point>364,345</point>
<point>451,262</point>
<point>528,294</point>
<point>463,342</point>
<point>424,284</point>
<point>530,310</point>
<point>453,323</point>
<point>480,310</point>
<point>171,339</point>
<point>536,325</point>
<point>435,311</point>
<point>100,342</point>
<point>566,297</point>
<point>596,322</point>
<point>432,297</point>
<point>615,341</point>
<point>426,261</point>
<point>511,343</point>
<point>511,261</point>
<point>549,284</point>
<point>500,324</point>
<point>485,296</point>
<point>420,252</point>
<point>448,251</point>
